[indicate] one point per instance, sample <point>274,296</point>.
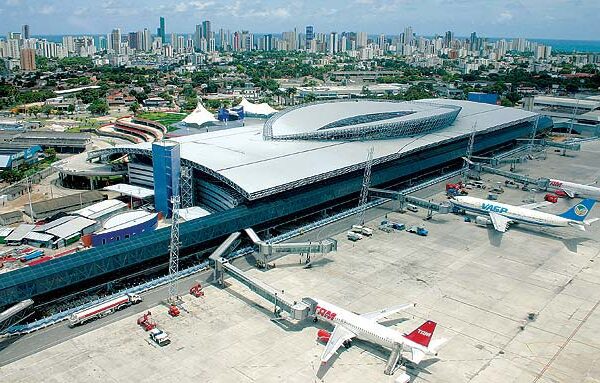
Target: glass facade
<point>167,171</point>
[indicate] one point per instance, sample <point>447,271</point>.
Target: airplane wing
<point>500,222</point>
<point>377,315</point>
<point>339,335</point>
<point>569,192</point>
<point>536,205</point>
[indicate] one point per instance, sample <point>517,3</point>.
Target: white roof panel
<point>71,228</point>
<point>40,237</point>
<point>101,209</point>
<point>257,167</point>
<point>132,190</point>
<point>19,232</point>
<point>128,219</point>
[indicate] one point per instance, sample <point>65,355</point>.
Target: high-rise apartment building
<point>310,35</point>
<point>115,40</point>
<point>408,36</point>
<point>25,32</point>
<point>160,31</point>
<point>206,30</point>
<point>361,39</point>
<point>27,59</point>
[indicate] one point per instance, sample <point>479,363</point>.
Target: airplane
<point>349,325</point>
<point>573,189</point>
<point>502,215</point>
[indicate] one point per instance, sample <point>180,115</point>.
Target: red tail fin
<point>423,334</point>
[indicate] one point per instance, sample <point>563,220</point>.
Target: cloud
<point>13,3</point>
<point>46,9</point>
<point>505,16</point>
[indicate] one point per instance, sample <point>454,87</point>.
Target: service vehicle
<point>360,229</point>
<point>159,337</point>
<point>412,208</point>
<point>103,309</point>
<point>354,236</point>
<point>418,230</point>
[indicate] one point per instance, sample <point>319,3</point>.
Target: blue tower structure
<point>167,171</point>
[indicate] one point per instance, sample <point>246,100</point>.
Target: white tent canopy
<point>251,109</point>
<point>200,116</point>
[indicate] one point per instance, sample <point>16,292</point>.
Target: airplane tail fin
<point>580,211</point>
<point>423,334</point>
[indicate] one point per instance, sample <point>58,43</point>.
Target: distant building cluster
<point>143,47</point>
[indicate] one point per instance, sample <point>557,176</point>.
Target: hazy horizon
<point>533,19</point>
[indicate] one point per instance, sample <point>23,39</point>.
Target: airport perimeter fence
<point>61,316</point>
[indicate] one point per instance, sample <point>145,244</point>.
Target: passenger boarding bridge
<point>282,302</point>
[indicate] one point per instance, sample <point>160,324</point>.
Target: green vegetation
<point>87,125</point>
<point>10,96</point>
<point>164,118</point>
<point>99,107</point>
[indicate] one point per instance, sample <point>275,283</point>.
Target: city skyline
<point>427,17</point>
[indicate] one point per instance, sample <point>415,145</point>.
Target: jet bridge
<point>403,199</point>
<point>297,310</point>
<point>477,168</point>
<point>567,145</point>
<point>269,252</point>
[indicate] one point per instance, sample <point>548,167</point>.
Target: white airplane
<point>501,214</point>
<point>349,325</point>
<point>576,190</point>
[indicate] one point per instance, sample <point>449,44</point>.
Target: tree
<point>99,107</point>
<point>47,110</point>
<point>35,110</point>
<point>290,92</point>
<point>71,108</point>
<point>134,107</point>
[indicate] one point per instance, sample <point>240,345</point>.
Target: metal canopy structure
<point>359,120</point>
<point>255,168</point>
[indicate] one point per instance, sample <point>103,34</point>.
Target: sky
<point>551,19</point>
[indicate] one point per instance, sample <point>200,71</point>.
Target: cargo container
<point>32,255</point>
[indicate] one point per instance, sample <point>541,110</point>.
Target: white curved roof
<point>359,119</point>
<point>200,116</point>
<point>263,109</point>
<point>257,168</point>
<point>128,219</point>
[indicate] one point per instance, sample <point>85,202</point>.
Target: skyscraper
<point>333,43</point>
<point>408,35</point>
<point>448,38</point>
<point>146,40</point>
<point>310,35</point>
<point>132,40</point>
<point>206,31</point>
<point>361,39</point>
<point>25,31</point>
<point>473,41</point>
<point>115,40</point>
<point>27,59</point>
<point>198,35</point>
<point>160,32</point>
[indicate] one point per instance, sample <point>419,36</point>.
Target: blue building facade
<point>484,98</point>
<point>167,170</point>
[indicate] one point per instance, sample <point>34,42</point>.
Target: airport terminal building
<point>298,162</point>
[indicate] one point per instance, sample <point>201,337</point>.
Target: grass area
<point>84,126</point>
<point>164,118</point>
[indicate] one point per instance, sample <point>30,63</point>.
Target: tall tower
<point>206,30</point>
<point>167,173</point>
<point>25,32</point>
<point>115,40</point>
<point>310,35</point>
<point>160,32</point>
